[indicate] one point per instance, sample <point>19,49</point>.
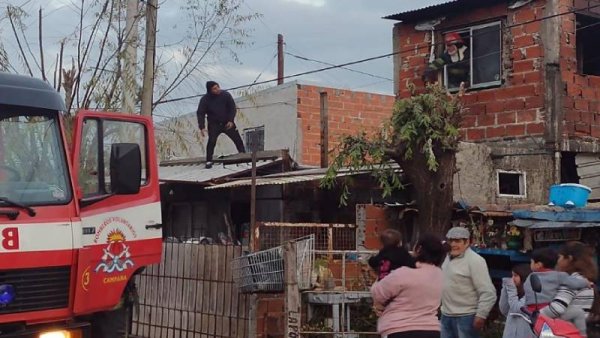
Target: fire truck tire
<point>110,324</point>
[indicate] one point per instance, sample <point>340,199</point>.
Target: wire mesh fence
<point>327,236</point>
<point>340,303</point>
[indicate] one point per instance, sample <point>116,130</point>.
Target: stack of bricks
<point>348,113</point>
<point>512,110</point>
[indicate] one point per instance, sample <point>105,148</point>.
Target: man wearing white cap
<point>468,294</point>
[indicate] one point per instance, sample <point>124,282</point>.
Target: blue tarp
<point>560,215</point>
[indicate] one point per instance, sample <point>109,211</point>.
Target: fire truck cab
<point>79,214</point>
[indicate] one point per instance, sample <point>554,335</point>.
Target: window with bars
<point>255,138</point>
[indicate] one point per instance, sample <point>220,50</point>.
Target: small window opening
<point>588,49</point>
<point>568,168</point>
<point>511,184</point>
<point>255,138</point>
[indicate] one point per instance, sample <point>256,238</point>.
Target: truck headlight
<point>55,334</point>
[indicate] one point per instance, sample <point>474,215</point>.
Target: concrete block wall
<point>349,112</point>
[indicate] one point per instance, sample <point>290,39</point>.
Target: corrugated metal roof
<point>196,173</point>
<point>269,181</point>
<point>289,177</point>
<point>441,9</point>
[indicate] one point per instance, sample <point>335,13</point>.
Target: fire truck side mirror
<point>125,168</point>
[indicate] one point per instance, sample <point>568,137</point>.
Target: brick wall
<point>349,112</point>
<point>582,101</point>
<point>513,110</point>
<point>270,316</point>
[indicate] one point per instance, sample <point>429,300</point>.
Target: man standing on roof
<point>218,107</point>
<point>456,58</point>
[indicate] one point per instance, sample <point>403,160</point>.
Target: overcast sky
<point>332,31</point>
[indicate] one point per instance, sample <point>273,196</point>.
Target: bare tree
<point>93,48</point>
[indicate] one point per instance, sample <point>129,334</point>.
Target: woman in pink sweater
<point>412,297</point>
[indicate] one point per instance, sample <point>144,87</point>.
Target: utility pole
<point>150,50</point>
<point>279,59</point>
<point>129,73</point>
<point>324,112</point>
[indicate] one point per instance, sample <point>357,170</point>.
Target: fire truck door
<point>117,181</point>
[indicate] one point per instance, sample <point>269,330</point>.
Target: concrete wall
<point>274,108</point>
<point>476,181</point>
<point>474,184</point>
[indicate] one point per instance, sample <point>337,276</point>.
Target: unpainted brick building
<point>533,88</point>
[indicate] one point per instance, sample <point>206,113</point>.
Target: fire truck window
<point>88,159</point>
<point>123,132</point>
<point>94,164</point>
<point>33,167</point>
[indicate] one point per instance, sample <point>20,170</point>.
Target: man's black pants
<point>217,128</point>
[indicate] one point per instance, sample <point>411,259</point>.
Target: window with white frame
<point>479,63</point>
<point>511,183</point>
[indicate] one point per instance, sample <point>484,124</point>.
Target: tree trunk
<point>433,191</point>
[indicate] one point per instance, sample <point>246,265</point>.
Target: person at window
<point>218,107</point>
<point>456,58</point>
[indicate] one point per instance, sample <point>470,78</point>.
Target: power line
<point>264,69</point>
<point>331,64</point>
<point>378,56</point>
<point>239,107</point>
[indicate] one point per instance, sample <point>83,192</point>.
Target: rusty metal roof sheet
<point>441,9</point>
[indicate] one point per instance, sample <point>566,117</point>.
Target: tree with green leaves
<point>422,137</point>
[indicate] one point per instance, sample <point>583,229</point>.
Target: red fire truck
<point>79,217</point>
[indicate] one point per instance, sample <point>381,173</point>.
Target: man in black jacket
<point>219,108</point>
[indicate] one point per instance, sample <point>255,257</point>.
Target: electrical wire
<point>412,50</point>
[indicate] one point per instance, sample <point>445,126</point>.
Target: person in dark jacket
<point>456,57</point>
<point>392,255</point>
<point>218,107</point>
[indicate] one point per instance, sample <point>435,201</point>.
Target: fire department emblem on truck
<point>116,254</point>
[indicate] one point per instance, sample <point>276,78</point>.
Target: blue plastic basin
<point>569,195</point>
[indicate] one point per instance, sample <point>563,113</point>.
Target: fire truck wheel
<point>110,324</point>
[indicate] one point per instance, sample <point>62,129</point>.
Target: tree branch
<point>10,10</point>
<point>41,46</point>
<point>93,81</point>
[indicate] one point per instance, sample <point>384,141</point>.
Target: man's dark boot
<point>208,165</point>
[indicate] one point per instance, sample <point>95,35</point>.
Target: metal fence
<point>327,236</point>
<point>340,305</point>
<point>191,294</point>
